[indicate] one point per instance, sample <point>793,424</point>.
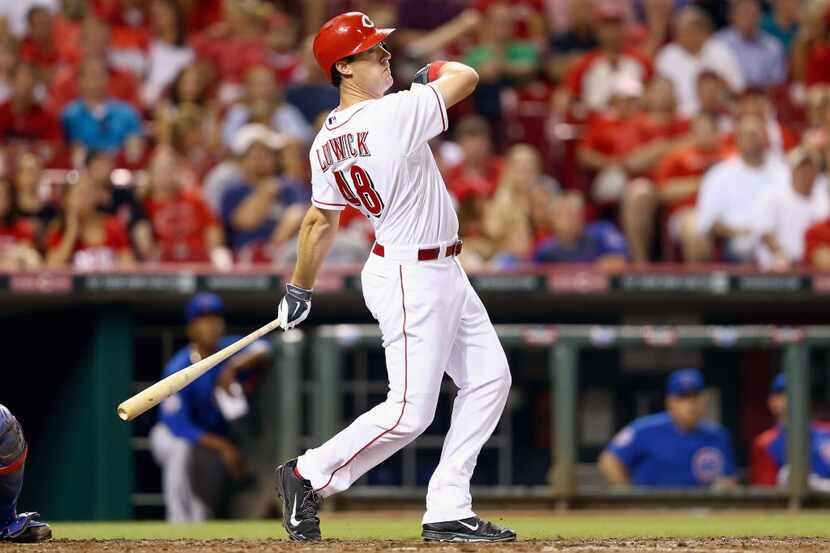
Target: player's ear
<point>344,68</point>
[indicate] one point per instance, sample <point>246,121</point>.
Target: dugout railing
<point>311,391</point>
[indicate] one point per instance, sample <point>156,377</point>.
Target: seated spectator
<point>769,449</point>
<point>579,37</point>
<point>788,211</point>
<point>195,146</point>
<point>759,54</point>
<point>575,242</point>
<point>262,211</point>
<point>590,81</point>
<point>312,92</point>
<point>263,104</point>
<point>479,169</point>
<point>169,52</point>
<point>18,241</point>
<point>85,238</point>
<point>15,13</point>
<point>507,219</point>
<point>730,192</point>
<point>500,59</point>
<point>8,61</point>
<point>194,440</point>
<point>675,448</point>
<point>715,99</point>
<point>284,56</point>
<point>119,201</point>
<point>235,45</point>
<point>185,230</point>
<point>96,121</point>
<point>31,205</point>
<point>22,117</point>
<point>693,50</point>
<point>811,49</point>
<point>781,22</point>
<point>38,47</point>
<point>756,102</point>
<point>95,41</point>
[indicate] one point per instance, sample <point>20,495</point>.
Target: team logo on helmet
<point>367,22</point>
<point>707,464</point>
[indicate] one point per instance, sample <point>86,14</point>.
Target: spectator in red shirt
<point>17,235</point>
<point>589,81</point>
<point>22,117</point>
<point>38,48</point>
<point>236,44</point>
<point>184,227</point>
<point>480,169</point>
<point>674,186</point>
<point>85,238</point>
<point>811,48</point>
<point>95,43</point>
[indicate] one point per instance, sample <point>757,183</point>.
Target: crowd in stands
<point>614,132</point>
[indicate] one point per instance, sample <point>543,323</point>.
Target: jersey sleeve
<point>420,114</point>
<point>626,446</point>
<point>323,194</point>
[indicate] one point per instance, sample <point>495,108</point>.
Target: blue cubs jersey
<point>819,450</point>
<point>657,453</point>
<point>193,411</point>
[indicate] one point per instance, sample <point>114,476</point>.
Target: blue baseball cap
<point>202,304</point>
<point>779,384</point>
<point>684,381</point>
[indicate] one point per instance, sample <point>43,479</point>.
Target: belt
<point>425,254</point>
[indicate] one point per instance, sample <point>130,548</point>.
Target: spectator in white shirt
<point>692,51</point>
<point>169,52</point>
<point>786,212</point>
<point>730,193</point>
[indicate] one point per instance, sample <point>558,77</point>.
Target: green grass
<point>686,524</point>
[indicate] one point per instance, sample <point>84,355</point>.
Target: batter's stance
<point>372,154</point>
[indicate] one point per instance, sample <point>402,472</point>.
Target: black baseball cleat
<point>471,529</point>
<point>300,504</point>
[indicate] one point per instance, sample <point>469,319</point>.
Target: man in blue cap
<point>769,449</point>
<point>675,448</point>
<point>192,440</point>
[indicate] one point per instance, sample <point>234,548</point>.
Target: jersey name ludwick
<point>342,147</point>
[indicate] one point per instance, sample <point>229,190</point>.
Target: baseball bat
<point>161,390</point>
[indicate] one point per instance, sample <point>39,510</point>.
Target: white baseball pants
<point>432,322</point>
<point>173,454</point>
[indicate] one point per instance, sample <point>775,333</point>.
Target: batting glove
<point>428,73</point>
<point>294,307</point>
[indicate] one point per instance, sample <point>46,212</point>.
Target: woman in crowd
<point>169,52</point>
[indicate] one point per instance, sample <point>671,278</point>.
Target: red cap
<point>346,35</point>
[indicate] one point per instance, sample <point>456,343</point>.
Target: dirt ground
<point>708,545</point>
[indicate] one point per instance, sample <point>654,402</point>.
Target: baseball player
<point>372,154</point>
<point>23,527</point>
<point>675,448</point>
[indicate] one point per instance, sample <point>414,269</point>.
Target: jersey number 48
<point>362,192</point>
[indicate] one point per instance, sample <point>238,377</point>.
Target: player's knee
<point>12,442</point>
<point>414,422</point>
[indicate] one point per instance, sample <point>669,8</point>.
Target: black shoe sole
<point>434,535</point>
<point>281,494</point>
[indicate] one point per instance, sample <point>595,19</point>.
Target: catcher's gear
<point>346,35</point>
<point>428,73</point>
<point>294,307</point>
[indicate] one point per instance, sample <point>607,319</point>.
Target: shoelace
<point>310,505</point>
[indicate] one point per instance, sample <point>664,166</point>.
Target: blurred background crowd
<point>614,132</point>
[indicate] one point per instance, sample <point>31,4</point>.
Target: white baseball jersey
<point>374,156</point>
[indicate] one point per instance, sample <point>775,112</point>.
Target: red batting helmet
<point>346,35</point>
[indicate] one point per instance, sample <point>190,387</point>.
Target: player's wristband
<point>434,68</point>
<point>300,293</point>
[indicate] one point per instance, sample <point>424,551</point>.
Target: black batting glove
<point>294,307</point>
